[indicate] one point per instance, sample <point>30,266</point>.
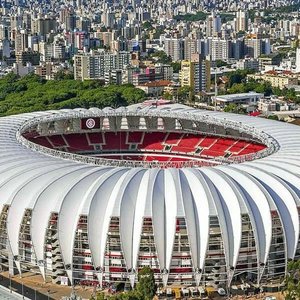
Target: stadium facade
<point>92,196</point>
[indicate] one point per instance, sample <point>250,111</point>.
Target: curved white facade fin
<point>229,218</point>
<point>258,209</point>
<point>31,187</point>
<point>285,205</point>
<point>131,216</point>
<point>100,213</point>
<point>197,217</point>
<point>164,217</point>
<point>70,212</point>
<point>45,204</point>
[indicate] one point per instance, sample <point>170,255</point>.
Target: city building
<point>277,79</point>
<point>220,49</point>
<point>298,60</point>
<point>248,64</point>
<point>195,73</point>
<point>174,47</point>
<point>154,88</point>
<point>241,21</point>
<point>272,59</point>
<point>94,65</point>
<point>29,56</point>
<point>250,99</point>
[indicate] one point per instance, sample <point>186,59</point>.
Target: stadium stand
<point>175,143</point>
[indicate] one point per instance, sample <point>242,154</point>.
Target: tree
<point>185,93</point>
<point>231,108</point>
<point>199,16</point>
<point>167,96</point>
<point>62,75</point>
<point>273,117</point>
<point>147,25</point>
<point>176,66</point>
<point>221,63</point>
<point>100,296</point>
<point>131,295</point>
<point>292,281</point>
<point>146,286</point>
<point>162,57</point>
<point>238,76</point>
<point>32,93</point>
<point>264,88</point>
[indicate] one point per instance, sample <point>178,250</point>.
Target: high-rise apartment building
<point>213,25</point>
<point>21,41</point>
<point>190,47</point>
<point>298,60</point>
<point>108,19</point>
<point>95,65</point>
<point>220,49</point>
<point>68,19</point>
<point>241,21</point>
<point>195,73</point>
<point>174,47</point>
<point>43,25</point>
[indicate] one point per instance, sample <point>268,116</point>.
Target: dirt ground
<point>58,291</point>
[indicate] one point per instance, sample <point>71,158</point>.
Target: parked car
<point>221,292</point>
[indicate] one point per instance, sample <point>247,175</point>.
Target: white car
<point>221,292</point>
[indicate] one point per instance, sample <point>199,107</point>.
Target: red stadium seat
<point>149,142</point>
<point>115,141</point>
<point>57,141</point>
<point>153,141</point>
<point>78,142</point>
<point>95,138</point>
<point>207,142</point>
<point>135,137</point>
<point>173,138</point>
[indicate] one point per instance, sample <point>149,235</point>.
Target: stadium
<point>91,196</point>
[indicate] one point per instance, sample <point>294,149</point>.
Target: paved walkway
<point>6,295</point>
<point>35,288</point>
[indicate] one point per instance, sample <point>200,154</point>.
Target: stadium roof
<point>45,184</point>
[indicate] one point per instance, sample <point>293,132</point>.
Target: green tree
<point>273,117</point>
<point>158,32</point>
<point>264,87</point>
<point>146,286</point>
<point>31,93</point>
<point>231,108</point>
<point>199,16</point>
<point>221,63</point>
<point>292,281</point>
<point>238,76</point>
<point>62,75</point>
<point>147,25</point>
<point>162,57</point>
<point>167,96</point>
<point>185,93</point>
<point>100,296</point>
<point>176,66</point>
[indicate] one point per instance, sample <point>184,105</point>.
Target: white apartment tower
<point>298,60</point>
<point>174,47</point>
<point>95,65</point>
<point>241,21</point>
